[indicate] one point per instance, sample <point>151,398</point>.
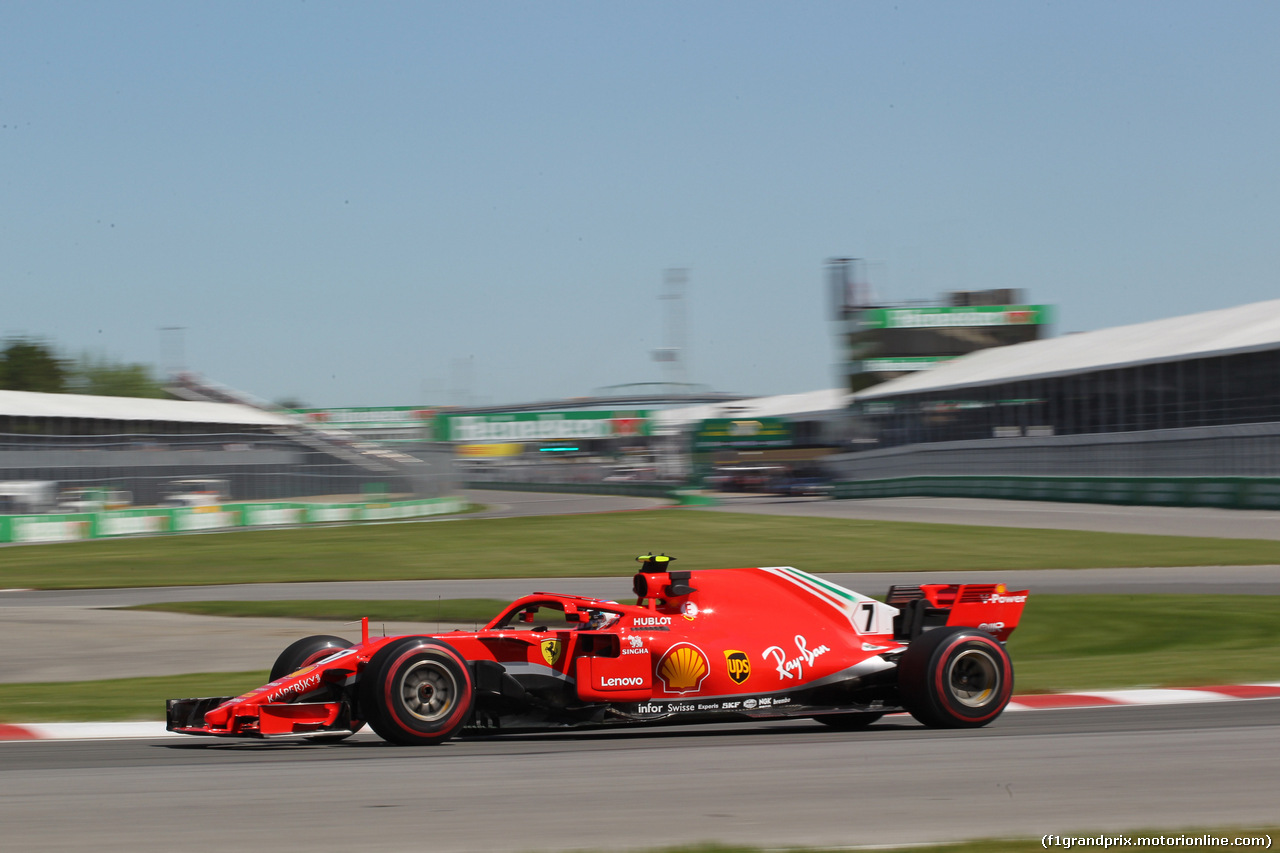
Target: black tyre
<point>849,722</point>
<point>955,678</point>
<point>417,691</point>
<point>305,652</point>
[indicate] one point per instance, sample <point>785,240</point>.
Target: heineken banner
<point>542,426</point>
<point>937,317</point>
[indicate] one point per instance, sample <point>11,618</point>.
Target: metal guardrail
<point>677,494</point>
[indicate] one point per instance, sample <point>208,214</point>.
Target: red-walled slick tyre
<point>955,678</point>
<point>416,691</point>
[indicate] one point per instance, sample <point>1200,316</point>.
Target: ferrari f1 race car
<point>713,645</point>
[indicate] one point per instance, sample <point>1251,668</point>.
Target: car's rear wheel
<point>304,653</point>
<point>849,722</point>
<point>955,678</point>
<point>417,691</point>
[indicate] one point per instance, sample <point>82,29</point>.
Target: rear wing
<point>986,606</point>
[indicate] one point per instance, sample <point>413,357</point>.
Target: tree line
<point>27,364</point>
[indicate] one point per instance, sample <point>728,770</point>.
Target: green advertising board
<point>371,417</point>
<point>742,434</point>
<point>903,364</point>
<point>938,317</point>
<point>542,426</point>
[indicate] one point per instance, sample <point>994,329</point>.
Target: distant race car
<point>714,645</point>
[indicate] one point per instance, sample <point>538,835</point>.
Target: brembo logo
<point>627,681</point>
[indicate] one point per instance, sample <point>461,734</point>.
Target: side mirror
<point>526,616</point>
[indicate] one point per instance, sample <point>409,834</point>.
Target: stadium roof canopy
<point>1227,331</point>
<point>782,405</point>
<point>32,404</point>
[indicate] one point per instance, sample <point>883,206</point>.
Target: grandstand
<point>142,446</point>
<point>1189,396</point>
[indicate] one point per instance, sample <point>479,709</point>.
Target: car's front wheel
<point>955,678</point>
<point>304,653</point>
<point>417,691</point>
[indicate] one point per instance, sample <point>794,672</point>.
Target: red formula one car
<point>703,646</point>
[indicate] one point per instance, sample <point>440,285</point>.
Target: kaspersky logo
<point>551,650</point>
<point>738,664</point>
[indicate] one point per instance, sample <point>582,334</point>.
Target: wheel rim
<point>428,691</point>
<point>973,677</point>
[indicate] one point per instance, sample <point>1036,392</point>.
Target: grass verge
<point>596,545</point>
<point>117,698</point>
<point>452,610</point>
<point>1064,643</point>
<point>1088,642</point>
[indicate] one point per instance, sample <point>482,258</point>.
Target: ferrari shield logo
<point>738,664</point>
<point>551,651</point>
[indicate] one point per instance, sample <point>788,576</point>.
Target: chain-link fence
<point>1246,450</point>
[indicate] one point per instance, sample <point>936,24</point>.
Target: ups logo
<point>739,665</point>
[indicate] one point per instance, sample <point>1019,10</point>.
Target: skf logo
<point>551,650</point>
<point>683,668</point>
<point>739,665</point>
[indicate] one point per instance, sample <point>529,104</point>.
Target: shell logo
<point>683,668</point>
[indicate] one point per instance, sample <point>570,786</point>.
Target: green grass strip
<point>1089,642</point>
<point>453,610</point>
<point>116,698</point>
<point>1064,643</point>
<point>596,545</point>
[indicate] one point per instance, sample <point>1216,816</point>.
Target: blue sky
<point>359,203</point>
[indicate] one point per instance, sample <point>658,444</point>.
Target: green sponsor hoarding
<point>742,434</point>
<point>542,426</point>
<point>901,365</point>
<point>66,527</point>
<point>372,417</point>
<point>937,317</point>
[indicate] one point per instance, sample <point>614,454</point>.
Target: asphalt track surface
<point>1162,768</point>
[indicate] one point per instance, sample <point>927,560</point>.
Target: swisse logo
<point>622,681</point>
<point>997,598</point>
